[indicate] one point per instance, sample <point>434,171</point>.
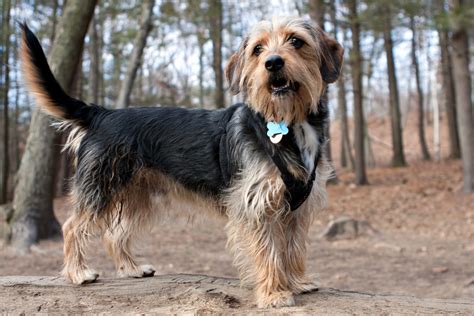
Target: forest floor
<point>424,248</point>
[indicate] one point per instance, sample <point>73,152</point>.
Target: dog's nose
<point>274,63</point>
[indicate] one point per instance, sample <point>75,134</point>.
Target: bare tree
<point>95,57</point>
<point>356,71</point>
<point>398,159</point>
<point>201,41</point>
<point>462,86</point>
<point>421,113</point>
<point>215,19</point>
<point>5,159</point>
<point>346,152</point>
<point>33,218</point>
<point>448,87</point>
<point>146,25</point>
<point>317,13</point>
<point>54,19</point>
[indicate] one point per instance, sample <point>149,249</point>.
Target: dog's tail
<point>41,81</point>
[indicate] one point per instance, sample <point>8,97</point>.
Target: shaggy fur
<point>136,164</point>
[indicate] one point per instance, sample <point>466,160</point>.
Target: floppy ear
<point>332,55</point>
<point>233,69</point>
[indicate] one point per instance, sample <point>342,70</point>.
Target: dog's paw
<point>147,270</point>
<point>276,299</point>
<point>142,271</point>
<point>305,287</point>
<point>81,276</point>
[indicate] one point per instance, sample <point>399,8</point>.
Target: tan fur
<point>33,81</point>
<point>248,71</point>
<point>77,231</point>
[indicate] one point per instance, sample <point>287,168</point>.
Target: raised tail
<point>49,95</point>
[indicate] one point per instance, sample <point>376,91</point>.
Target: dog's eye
<point>257,50</point>
<point>296,42</point>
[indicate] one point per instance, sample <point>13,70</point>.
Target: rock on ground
<point>347,228</point>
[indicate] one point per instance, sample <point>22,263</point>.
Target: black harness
<point>297,191</point>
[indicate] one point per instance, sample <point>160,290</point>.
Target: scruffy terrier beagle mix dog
<point>260,164</point>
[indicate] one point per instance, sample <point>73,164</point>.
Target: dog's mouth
<point>281,86</point>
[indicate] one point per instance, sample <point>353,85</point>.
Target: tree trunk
<point>16,133</point>
<point>346,152</point>
<point>436,131</point>
<point>462,87</point>
<point>448,92</point>
<point>201,42</point>
<point>398,159</point>
<point>346,148</point>
<point>100,38</point>
<point>421,123</point>
<point>54,20</point>
<point>216,37</point>
<point>115,48</point>
<point>94,54</point>
<point>317,13</point>
<point>33,218</point>
<point>356,71</point>
<point>5,159</point>
<point>146,25</point>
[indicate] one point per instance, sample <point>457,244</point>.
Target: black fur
<point>183,144</point>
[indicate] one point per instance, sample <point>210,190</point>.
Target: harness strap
<point>297,191</point>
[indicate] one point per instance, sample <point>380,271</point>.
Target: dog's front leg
<point>266,251</point>
<point>295,255</point>
<point>257,234</point>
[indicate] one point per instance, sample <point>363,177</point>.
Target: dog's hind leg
<point>118,241</point>
<point>134,216</point>
<point>76,231</point>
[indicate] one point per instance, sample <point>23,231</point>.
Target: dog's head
<point>283,67</point>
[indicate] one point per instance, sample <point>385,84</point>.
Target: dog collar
<point>275,131</point>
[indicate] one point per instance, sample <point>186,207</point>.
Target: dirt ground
<point>425,247</point>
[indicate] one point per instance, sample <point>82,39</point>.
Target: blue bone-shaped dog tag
<point>276,131</point>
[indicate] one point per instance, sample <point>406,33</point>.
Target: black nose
<point>274,63</point>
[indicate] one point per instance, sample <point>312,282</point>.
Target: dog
<point>260,164</point>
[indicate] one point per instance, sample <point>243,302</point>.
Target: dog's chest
<point>308,144</point>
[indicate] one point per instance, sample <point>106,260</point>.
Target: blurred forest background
<point>405,96</point>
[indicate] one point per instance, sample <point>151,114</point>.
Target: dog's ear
<point>331,52</point>
<point>233,69</point>
<point>332,55</point>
